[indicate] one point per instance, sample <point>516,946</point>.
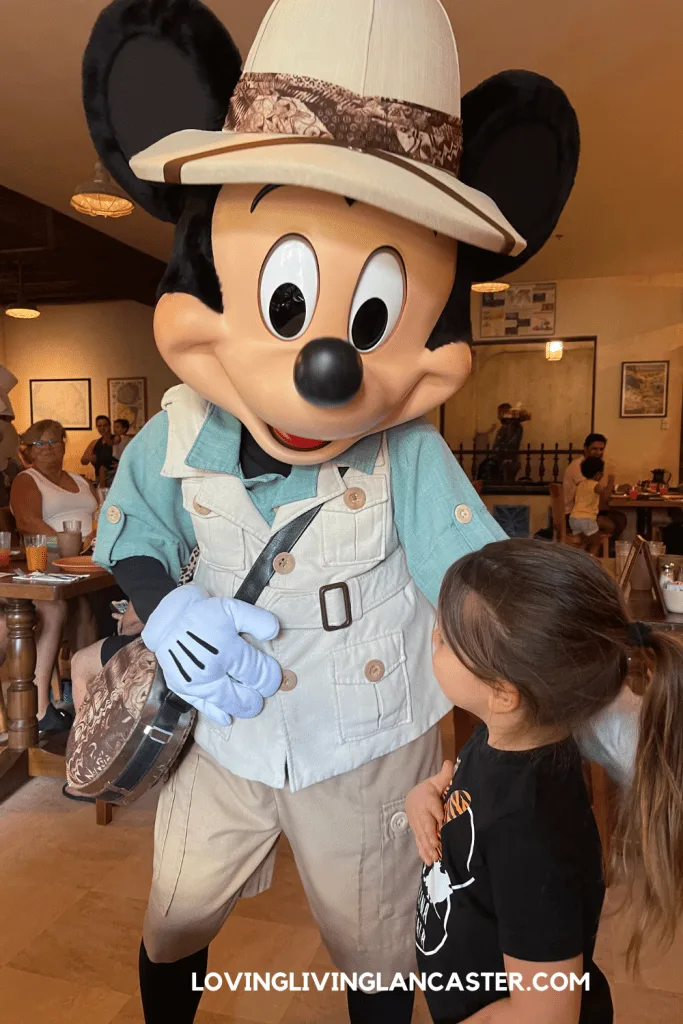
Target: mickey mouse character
<point>315,305</point>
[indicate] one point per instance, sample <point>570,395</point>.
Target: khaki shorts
<point>215,839</point>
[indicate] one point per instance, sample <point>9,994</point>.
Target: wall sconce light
<point>101,197</point>
<point>554,350</point>
<point>490,286</point>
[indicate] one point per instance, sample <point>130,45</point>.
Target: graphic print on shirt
<point>438,882</point>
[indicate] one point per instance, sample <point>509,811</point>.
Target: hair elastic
<point>639,634</point>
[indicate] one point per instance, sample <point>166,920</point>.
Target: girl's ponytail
<point>649,847</point>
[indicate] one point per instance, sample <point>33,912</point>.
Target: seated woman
<point>42,498</point>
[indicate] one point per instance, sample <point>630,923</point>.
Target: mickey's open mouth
<point>297,444</point>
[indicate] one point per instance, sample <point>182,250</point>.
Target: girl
<point>534,639</point>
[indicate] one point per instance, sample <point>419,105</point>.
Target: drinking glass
<point>69,543</point>
<point>72,526</point>
<point>5,548</point>
<point>36,552</point>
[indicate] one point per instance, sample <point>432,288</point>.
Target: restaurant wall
<point>95,340</point>
<point>634,318</point>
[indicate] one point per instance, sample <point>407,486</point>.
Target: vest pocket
<point>371,687</point>
<point>353,535</point>
<point>220,540</point>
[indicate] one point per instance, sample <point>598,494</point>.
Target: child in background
<point>534,639</point>
<point>583,519</point>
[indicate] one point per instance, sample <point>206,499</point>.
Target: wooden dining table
<point>644,508</point>
<point>25,755</point>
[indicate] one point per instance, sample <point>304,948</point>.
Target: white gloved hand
<point>197,642</point>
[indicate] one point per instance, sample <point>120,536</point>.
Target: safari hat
<point>360,98</point>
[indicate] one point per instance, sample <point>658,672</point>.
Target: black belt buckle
<point>347,606</point>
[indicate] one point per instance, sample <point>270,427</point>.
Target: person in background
<point>100,453</point>
<point>502,465</point>
<point>583,519</point>
<point>610,520</point>
<point>42,498</point>
<point>121,438</point>
<point>10,463</point>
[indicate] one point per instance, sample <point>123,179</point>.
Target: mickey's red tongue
<point>305,444</point>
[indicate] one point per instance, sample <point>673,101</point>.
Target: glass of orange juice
<point>5,548</point>
<point>36,552</point>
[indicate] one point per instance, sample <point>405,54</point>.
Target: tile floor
<point>72,899</point>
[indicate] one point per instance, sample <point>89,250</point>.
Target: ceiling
<point>620,63</point>
<point>66,260</point>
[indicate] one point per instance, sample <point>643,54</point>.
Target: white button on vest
<point>289,680</point>
<point>355,498</point>
<point>283,563</point>
<point>463,514</point>
<point>114,514</point>
<point>374,671</point>
<point>399,822</point>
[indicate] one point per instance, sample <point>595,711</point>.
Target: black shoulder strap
<point>262,571</point>
<point>172,707</point>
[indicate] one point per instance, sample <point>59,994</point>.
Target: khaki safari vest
<point>349,694</point>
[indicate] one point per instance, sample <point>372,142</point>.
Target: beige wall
<point>98,340</point>
<point>633,318</point>
<point>557,395</point>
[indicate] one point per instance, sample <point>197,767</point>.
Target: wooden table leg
<point>3,713</point>
<point>644,522</point>
<point>22,698</point>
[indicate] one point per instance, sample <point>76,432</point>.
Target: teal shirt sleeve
<point>144,513</point>
<point>428,485</point>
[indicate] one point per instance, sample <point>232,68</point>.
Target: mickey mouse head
<point>325,242</point>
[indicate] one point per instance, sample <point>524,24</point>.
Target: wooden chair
<point>560,533</point>
<point>478,486</point>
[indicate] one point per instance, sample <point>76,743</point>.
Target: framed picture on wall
<point>128,401</point>
<point>67,400</point>
<point>644,390</point>
<point>523,311</point>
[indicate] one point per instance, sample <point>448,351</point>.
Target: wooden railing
<point>549,461</point>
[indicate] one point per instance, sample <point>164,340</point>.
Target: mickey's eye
<point>288,290</point>
<point>378,302</point>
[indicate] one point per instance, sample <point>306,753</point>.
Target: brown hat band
<point>278,104</point>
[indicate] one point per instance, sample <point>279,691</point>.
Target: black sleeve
<point>145,581</point>
<point>536,888</point>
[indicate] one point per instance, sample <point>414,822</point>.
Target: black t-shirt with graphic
<point>520,874</point>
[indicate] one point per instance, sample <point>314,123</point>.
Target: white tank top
<point>60,505</point>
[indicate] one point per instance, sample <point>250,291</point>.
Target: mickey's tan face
<point>302,266</point>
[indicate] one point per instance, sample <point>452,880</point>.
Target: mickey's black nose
<point>328,372</point>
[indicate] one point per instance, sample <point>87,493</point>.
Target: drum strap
<point>160,731</point>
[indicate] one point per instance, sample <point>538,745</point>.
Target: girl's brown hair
<point>548,619</point>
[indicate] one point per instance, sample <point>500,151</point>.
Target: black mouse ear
<point>521,148</point>
<point>151,69</point>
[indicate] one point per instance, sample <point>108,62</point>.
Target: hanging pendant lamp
<point>101,197</point>
<point>22,309</point>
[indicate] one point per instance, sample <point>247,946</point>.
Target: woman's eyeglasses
<point>42,445</point>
